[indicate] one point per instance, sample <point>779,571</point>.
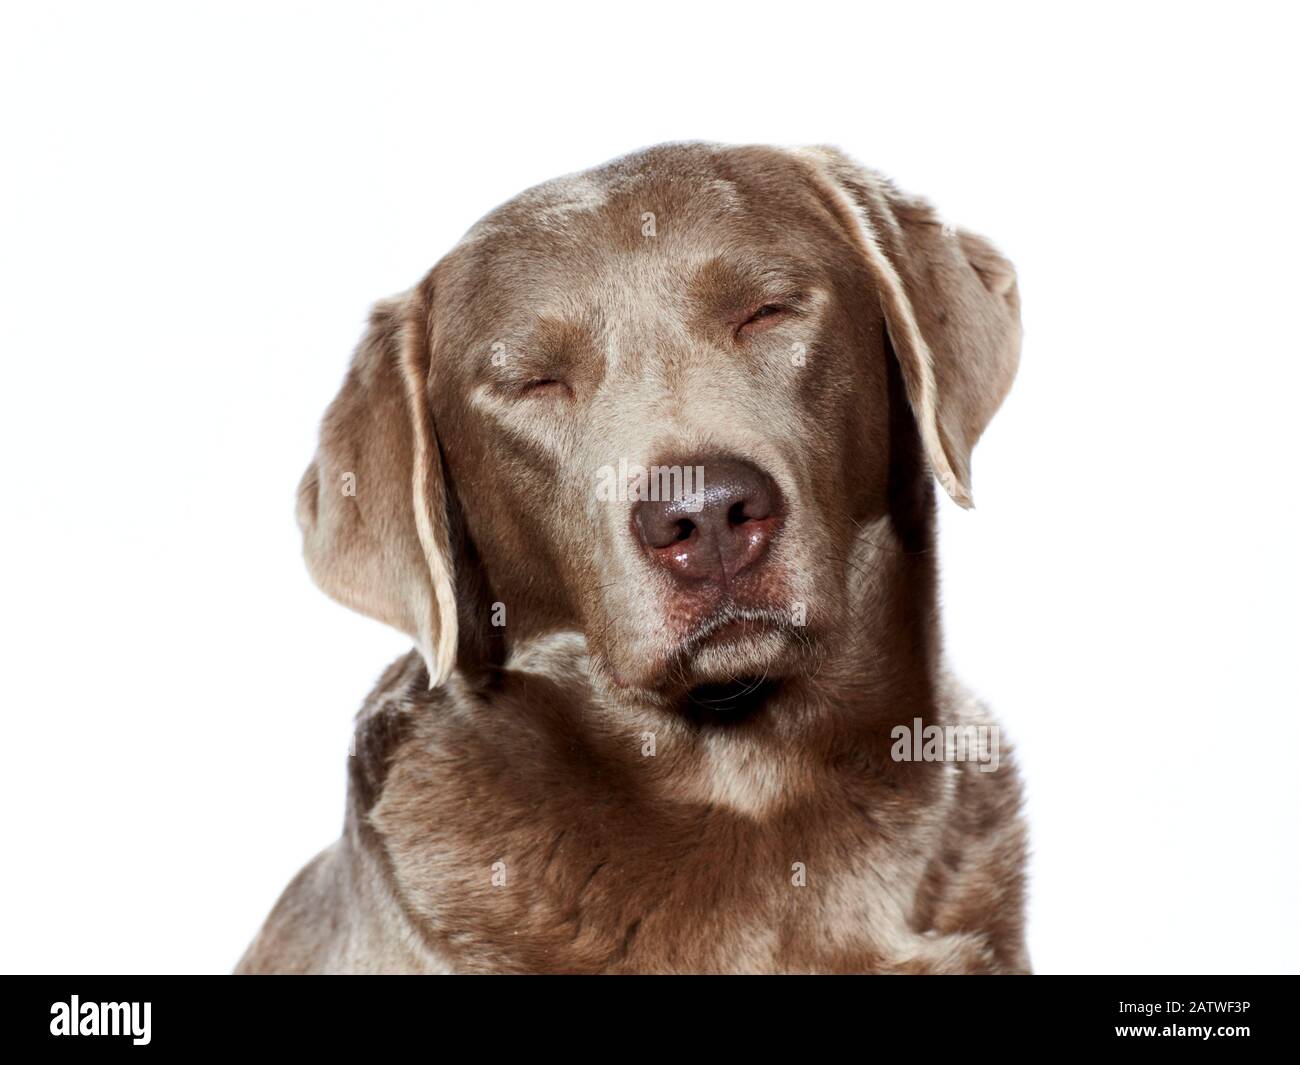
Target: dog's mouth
<point>734,626</point>
<point>723,660</point>
<point>734,631</point>
<point>731,662</point>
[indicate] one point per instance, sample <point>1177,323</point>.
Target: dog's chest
<point>557,881</point>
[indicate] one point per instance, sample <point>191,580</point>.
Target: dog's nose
<point>712,535</point>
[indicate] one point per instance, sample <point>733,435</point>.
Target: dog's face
<point>652,403</point>
<point>694,318</point>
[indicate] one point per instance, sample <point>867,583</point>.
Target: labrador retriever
<point>645,468</point>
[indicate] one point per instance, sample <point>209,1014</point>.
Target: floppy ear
<point>372,505</point>
<point>950,305</point>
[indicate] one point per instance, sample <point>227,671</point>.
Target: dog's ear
<point>950,306</point>
<point>372,505</point>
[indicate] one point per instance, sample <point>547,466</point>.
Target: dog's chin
<point>728,671</point>
<point>724,669</point>
<point>737,650</point>
<point>729,679</point>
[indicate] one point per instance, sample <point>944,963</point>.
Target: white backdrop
<point>201,201</point>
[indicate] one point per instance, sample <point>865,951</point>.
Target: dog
<point>663,722</point>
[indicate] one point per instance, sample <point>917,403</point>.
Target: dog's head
<point>657,402</point>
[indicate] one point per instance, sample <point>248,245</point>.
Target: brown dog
<point>644,467</point>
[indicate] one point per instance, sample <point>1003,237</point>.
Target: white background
<point>201,201</point>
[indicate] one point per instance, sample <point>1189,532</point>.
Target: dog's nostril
<point>754,507</point>
<point>659,528</point>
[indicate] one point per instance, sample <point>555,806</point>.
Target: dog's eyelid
<point>522,374</point>
<point>767,314</point>
<point>503,396</point>
<point>545,386</point>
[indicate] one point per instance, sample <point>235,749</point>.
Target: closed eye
<point>545,386</point>
<point>762,318</point>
